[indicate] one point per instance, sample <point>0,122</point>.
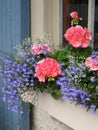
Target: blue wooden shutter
<point>14,27</point>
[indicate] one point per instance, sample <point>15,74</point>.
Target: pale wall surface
<point>43,121</point>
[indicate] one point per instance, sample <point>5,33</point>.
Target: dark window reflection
<point>82,8</point>
<point>96,25</point>
<point>74,5</point>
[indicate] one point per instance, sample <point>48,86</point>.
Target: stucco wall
<point>41,120</point>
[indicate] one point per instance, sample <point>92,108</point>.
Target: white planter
<point>67,112</point>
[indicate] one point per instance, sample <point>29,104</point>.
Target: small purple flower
<point>92,79</point>
<point>84,76</point>
<point>97,87</point>
<point>93,106</point>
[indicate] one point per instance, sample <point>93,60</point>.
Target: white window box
<point>72,115</point>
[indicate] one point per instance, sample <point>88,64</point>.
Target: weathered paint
<point>14,27</point>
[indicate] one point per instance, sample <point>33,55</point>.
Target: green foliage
<point>75,21</point>
<point>54,90</point>
<point>79,54</point>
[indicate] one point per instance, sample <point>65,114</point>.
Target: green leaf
<point>75,22</point>
<point>56,95</point>
<point>51,79</point>
<point>90,86</point>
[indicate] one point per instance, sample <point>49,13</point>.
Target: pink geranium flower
<point>86,38</point>
<point>46,47</point>
<point>92,63</point>
<point>74,14</point>
<point>39,48</point>
<point>36,49</point>
<point>78,36</point>
<point>47,67</point>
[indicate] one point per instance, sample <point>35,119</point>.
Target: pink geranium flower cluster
<point>47,67</point>
<point>74,15</point>
<point>39,49</point>
<point>92,63</point>
<point>78,36</point>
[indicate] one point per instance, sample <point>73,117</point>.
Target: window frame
<point>91,19</point>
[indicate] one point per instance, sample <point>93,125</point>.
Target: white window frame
<point>91,18</point>
<point>45,19</point>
